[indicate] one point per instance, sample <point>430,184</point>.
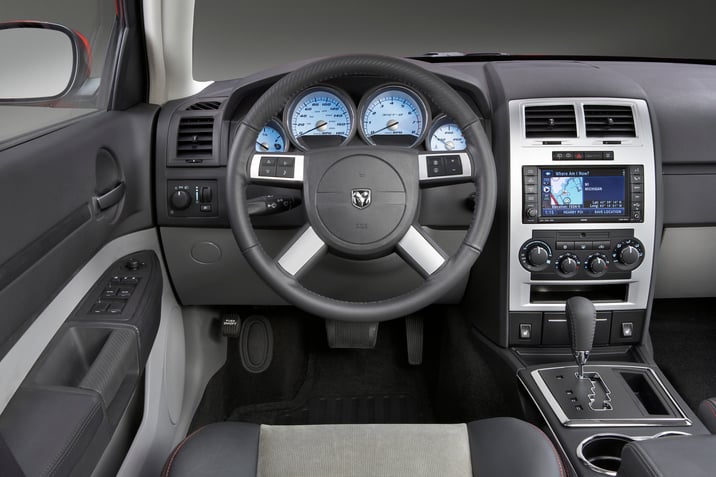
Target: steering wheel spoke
<point>298,256</point>
<point>421,252</point>
<point>440,168</point>
<point>283,170</point>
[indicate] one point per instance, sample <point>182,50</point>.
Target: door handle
<point>111,197</point>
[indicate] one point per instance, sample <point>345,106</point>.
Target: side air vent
<point>609,121</point>
<point>204,106</point>
<point>195,137</point>
<point>550,121</point>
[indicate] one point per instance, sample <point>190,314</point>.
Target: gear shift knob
<point>581,323</point>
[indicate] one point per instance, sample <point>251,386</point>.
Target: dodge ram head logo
<point>360,198</point>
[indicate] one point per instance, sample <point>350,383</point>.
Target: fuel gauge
<point>272,138</point>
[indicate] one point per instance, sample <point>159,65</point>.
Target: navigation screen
<point>581,192</point>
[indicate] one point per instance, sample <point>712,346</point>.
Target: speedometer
<point>445,135</point>
<point>322,116</point>
<point>393,115</point>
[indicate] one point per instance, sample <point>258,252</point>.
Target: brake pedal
<point>256,344</point>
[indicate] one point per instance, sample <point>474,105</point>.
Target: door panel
<point>52,225</point>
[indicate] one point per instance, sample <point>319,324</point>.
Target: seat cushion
<point>493,447</point>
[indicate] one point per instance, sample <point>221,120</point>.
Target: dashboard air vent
<point>609,121</point>
<point>195,137</point>
<point>550,121</point>
<point>204,106</point>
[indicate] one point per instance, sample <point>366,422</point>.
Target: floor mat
<point>308,383</point>
<point>684,336</point>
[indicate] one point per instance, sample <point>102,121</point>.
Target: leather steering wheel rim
<point>483,177</point>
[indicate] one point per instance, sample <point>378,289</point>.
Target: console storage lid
<point>694,456</point>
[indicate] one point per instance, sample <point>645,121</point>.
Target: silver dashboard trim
<point>634,151</point>
<point>606,422</point>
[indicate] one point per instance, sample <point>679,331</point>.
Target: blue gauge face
<point>446,136</point>
<point>271,138</point>
<point>320,117</point>
<point>394,116</point>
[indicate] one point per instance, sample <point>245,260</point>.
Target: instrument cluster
<point>389,115</point>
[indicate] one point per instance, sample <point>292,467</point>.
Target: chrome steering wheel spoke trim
<point>301,252</point>
<point>421,252</point>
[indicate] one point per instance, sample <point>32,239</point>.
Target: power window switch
<point>525,331</point>
<point>627,329</point>
<point>115,307</point>
<point>99,308</point>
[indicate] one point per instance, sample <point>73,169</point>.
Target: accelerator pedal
<point>414,339</point>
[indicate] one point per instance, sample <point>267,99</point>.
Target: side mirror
<point>41,62</point>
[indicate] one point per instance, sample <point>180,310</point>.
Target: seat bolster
<point>707,413</point>
<point>218,450</point>
<point>505,446</point>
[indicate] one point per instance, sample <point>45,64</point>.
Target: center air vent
<point>609,121</point>
<point>195,138</point>
<point>204,106</point>
<point>550,121</point>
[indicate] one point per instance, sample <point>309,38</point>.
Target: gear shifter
<point>581,323</point>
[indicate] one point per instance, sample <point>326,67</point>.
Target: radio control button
<point>637,188</point>
<point>531,212</point>
<point>529,171</point>
<point>530,189</point>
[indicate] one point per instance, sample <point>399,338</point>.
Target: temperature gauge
<point>445,135</point>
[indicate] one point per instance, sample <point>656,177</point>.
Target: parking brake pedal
<point>414,339</point>
<point>231,325</point>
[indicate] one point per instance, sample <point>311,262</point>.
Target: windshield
<point>234,38</point>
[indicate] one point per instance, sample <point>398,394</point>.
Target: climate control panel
<point>581,254</point>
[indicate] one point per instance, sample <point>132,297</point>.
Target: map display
<point>593,192</point>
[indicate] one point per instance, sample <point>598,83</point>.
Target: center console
<point>582,237</point>
<point>582,216</point>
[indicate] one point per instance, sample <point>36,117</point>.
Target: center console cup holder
<point>603,452</point>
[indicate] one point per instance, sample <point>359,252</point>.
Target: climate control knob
<point>628,254</point>
<point>597,265</point>
<point>180,199</point>
<point>568,265</point>
<point>535,256</point>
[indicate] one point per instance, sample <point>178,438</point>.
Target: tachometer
<point>272,138</point>
<point>393,115</point>
<point>445,135</point>
<point>322,116</point>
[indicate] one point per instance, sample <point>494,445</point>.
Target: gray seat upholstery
<point>491,447</point>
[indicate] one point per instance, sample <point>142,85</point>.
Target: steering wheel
<point>361,202</point>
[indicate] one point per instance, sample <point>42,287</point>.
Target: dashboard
<point>588,155</point>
